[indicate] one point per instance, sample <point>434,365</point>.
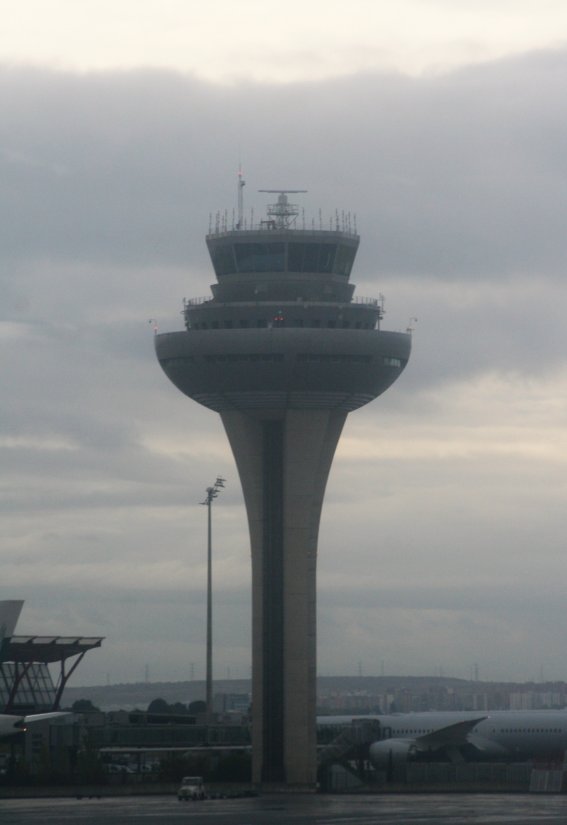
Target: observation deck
<point>282,327</point>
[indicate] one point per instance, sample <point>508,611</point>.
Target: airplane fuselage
<point>501,734</point>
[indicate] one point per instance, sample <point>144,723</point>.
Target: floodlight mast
<point>240,198</point>
<point>212,493</point>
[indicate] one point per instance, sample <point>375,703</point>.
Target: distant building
<point>232,703</point>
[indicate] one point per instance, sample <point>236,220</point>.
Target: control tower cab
<point>283,351</point>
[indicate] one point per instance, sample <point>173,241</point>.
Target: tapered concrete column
<point>284,462</point>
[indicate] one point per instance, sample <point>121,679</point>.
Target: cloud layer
<point>448,492</point>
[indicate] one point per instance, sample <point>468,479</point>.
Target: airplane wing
<point>39,717</point>
<point>10,724</point>
<point>455,734</point>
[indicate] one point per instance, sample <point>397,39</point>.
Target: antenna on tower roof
<point>283,213</point>
<point>240,197</point>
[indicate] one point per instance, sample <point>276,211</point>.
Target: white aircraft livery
<point>10,724</point>
<point>497,735</point>
<point>9,615</point>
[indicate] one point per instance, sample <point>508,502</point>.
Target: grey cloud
<point>459,183</point>
<point>456,175</point>
<point>522,603</point>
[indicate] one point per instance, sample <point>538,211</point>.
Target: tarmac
<point>383,809</point>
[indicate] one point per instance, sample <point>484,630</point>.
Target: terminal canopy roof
<point>47,649</point>
<point>21,656</point>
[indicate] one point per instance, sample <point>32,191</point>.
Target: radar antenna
<point>282,214</point>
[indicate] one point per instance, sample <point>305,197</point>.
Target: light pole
<point>212,493</point>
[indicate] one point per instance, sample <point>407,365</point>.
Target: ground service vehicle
<point>192,787</point>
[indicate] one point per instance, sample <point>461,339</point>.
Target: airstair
<point>349,742</point>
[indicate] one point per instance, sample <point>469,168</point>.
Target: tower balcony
<point>278,368</point>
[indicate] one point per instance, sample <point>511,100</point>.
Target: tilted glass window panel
<point>271,258</point>
<point>295,255</point>
<point>327,252</point>
<point>244,253</point>
<point>223,259</point>
<point>260,257</point>
<point>311,258</point>
<point>344,260</point>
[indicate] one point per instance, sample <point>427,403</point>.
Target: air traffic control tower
<point>283,352</point>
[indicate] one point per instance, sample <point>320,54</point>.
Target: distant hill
<point>140,694</point>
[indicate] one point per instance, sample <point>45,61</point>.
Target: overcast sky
<point>443,126</point>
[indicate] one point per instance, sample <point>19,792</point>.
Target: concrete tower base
<point>283,461</point>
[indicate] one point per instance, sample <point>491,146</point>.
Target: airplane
<point>462,736</point>
<point>9,724</point>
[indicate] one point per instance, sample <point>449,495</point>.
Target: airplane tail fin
<point>9,614</point>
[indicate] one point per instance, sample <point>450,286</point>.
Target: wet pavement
<point>447,809</point>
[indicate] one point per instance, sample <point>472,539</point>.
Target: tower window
<point>327,252</point>
<point>334,357</point>
<point>295,257</point>
<point>311,257</point>
<point>260,257</point>
<point>223,259</point>
<point>345,259</point>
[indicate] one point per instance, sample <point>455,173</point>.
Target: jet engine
<point>11,724</point>
<point>389,752</point>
